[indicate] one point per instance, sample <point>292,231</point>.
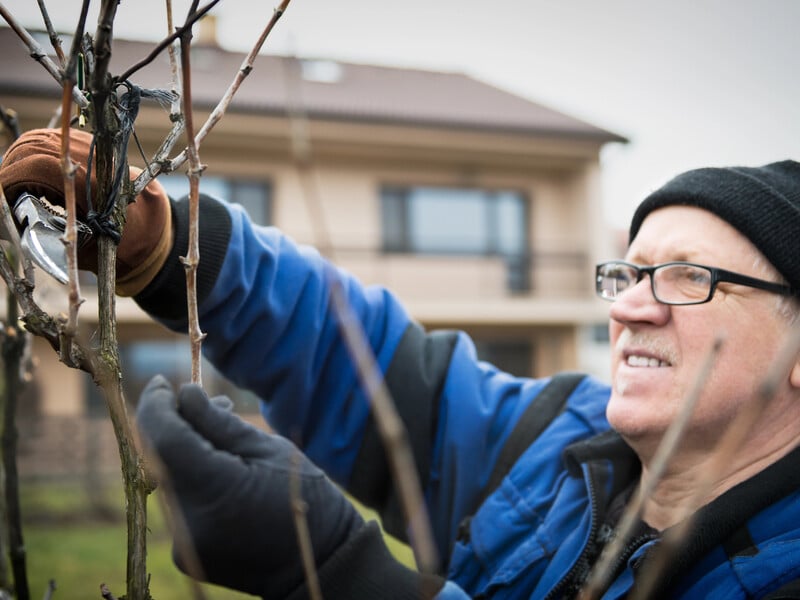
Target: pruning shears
<point>41,236</point>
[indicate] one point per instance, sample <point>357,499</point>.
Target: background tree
<point>107,104</point>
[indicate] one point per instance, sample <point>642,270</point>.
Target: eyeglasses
<point>676,283</point>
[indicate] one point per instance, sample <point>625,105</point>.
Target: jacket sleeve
<point>265,307</point>
<point>264,303</point>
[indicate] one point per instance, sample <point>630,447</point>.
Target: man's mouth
<point>635,360</point>
<point>640,350</point>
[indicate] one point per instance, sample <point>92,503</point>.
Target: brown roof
<point>327,90</point>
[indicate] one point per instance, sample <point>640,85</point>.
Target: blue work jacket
<point>265,304</point>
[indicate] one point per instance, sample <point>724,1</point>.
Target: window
<point>142,360</point>
<point>254,195</point>
<point>467,221</point>
<point>512,356</point>
<point>599,333</point>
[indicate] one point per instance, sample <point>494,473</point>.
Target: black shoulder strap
<point>547,405</point>
<point>790,591</point>
<point>741,543</point>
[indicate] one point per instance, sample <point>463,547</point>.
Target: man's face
<point>657,350</point>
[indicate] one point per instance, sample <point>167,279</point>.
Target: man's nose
<point>638,303</point>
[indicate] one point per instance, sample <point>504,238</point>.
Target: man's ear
<point>794,376</point>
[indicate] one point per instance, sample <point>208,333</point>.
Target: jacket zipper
<point>630,548</point>
<point>553,593</point>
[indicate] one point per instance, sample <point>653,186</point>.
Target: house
<point>479,208</point>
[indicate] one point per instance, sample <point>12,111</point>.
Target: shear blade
<point>46,250</point>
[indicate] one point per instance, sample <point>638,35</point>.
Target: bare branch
<point>299,511</point>
<point>9,120</point>
<point>36,320</point>
<point>175,521</point>
<point>598,579</point>
<point>104,366</point>
<point>393,433</point>
<point>166,42</point>
<point>13,344</point>
<point>157,164</point>
<point>107,126</point>
<point>176,115</point>
<point>304,161</point>
<point>55,119</point>
<point>219,110</point>
<point>192,258</point>
<point>100,86</point>
<point>38,54</point>
<point>8,231</point>
<point>54,39</point>
<point>51,588</point>
<point>726,447</point>
<point>106,593</point>
<point>70,237</point>
<point>71,232</point>
<point>241,75</point>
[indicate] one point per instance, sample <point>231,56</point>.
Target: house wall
<point>350,163</point>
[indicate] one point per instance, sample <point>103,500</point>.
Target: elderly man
<point>712,253</point>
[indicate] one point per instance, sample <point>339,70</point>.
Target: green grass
<point>79,550</point>
<point>70,544</point>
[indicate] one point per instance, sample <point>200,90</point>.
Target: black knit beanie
<point>763,203</point>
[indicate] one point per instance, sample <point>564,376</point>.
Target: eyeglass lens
<point>677,283</point>
<point>681,283</point>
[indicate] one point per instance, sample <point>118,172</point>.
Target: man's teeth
<point>645,361</point>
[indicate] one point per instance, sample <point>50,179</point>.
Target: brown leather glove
<point>33,164</point>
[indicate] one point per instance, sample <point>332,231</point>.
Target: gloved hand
<point>232,482</point>
<point>33,164</point>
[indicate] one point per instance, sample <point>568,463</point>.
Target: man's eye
<point>699,276</point>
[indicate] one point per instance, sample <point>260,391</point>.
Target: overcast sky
<point>690,82</point>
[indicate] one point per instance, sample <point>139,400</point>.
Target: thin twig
<point>6,583</point>
<point>9,232</point>
<point>36,320</point>
<point>175,111</point>
<point>55,118</point>
<point>156,164</point>
<point>192,258</point>
<point>726,447</point>
<point>601,572</point>
<point>167,42</point>
<point>9,119</point>
<point>39,55</point>
<point>219,110</point>
<point>100,86</point>
<point>106,593</point>
<point>70,237</point>
<point>51,588</point>
<point>55,40</point>
<point>392,430</point>
<point>176,523</point>
<point>304,160</point>
<point>299,512</point>
<point>13,344</point>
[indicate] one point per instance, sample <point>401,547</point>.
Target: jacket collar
<point>608,446</point>
<point>715,522</point>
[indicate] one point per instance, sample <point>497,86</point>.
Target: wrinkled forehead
<point>689,233</point>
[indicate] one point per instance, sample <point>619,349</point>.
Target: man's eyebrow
<point>681,255</point>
